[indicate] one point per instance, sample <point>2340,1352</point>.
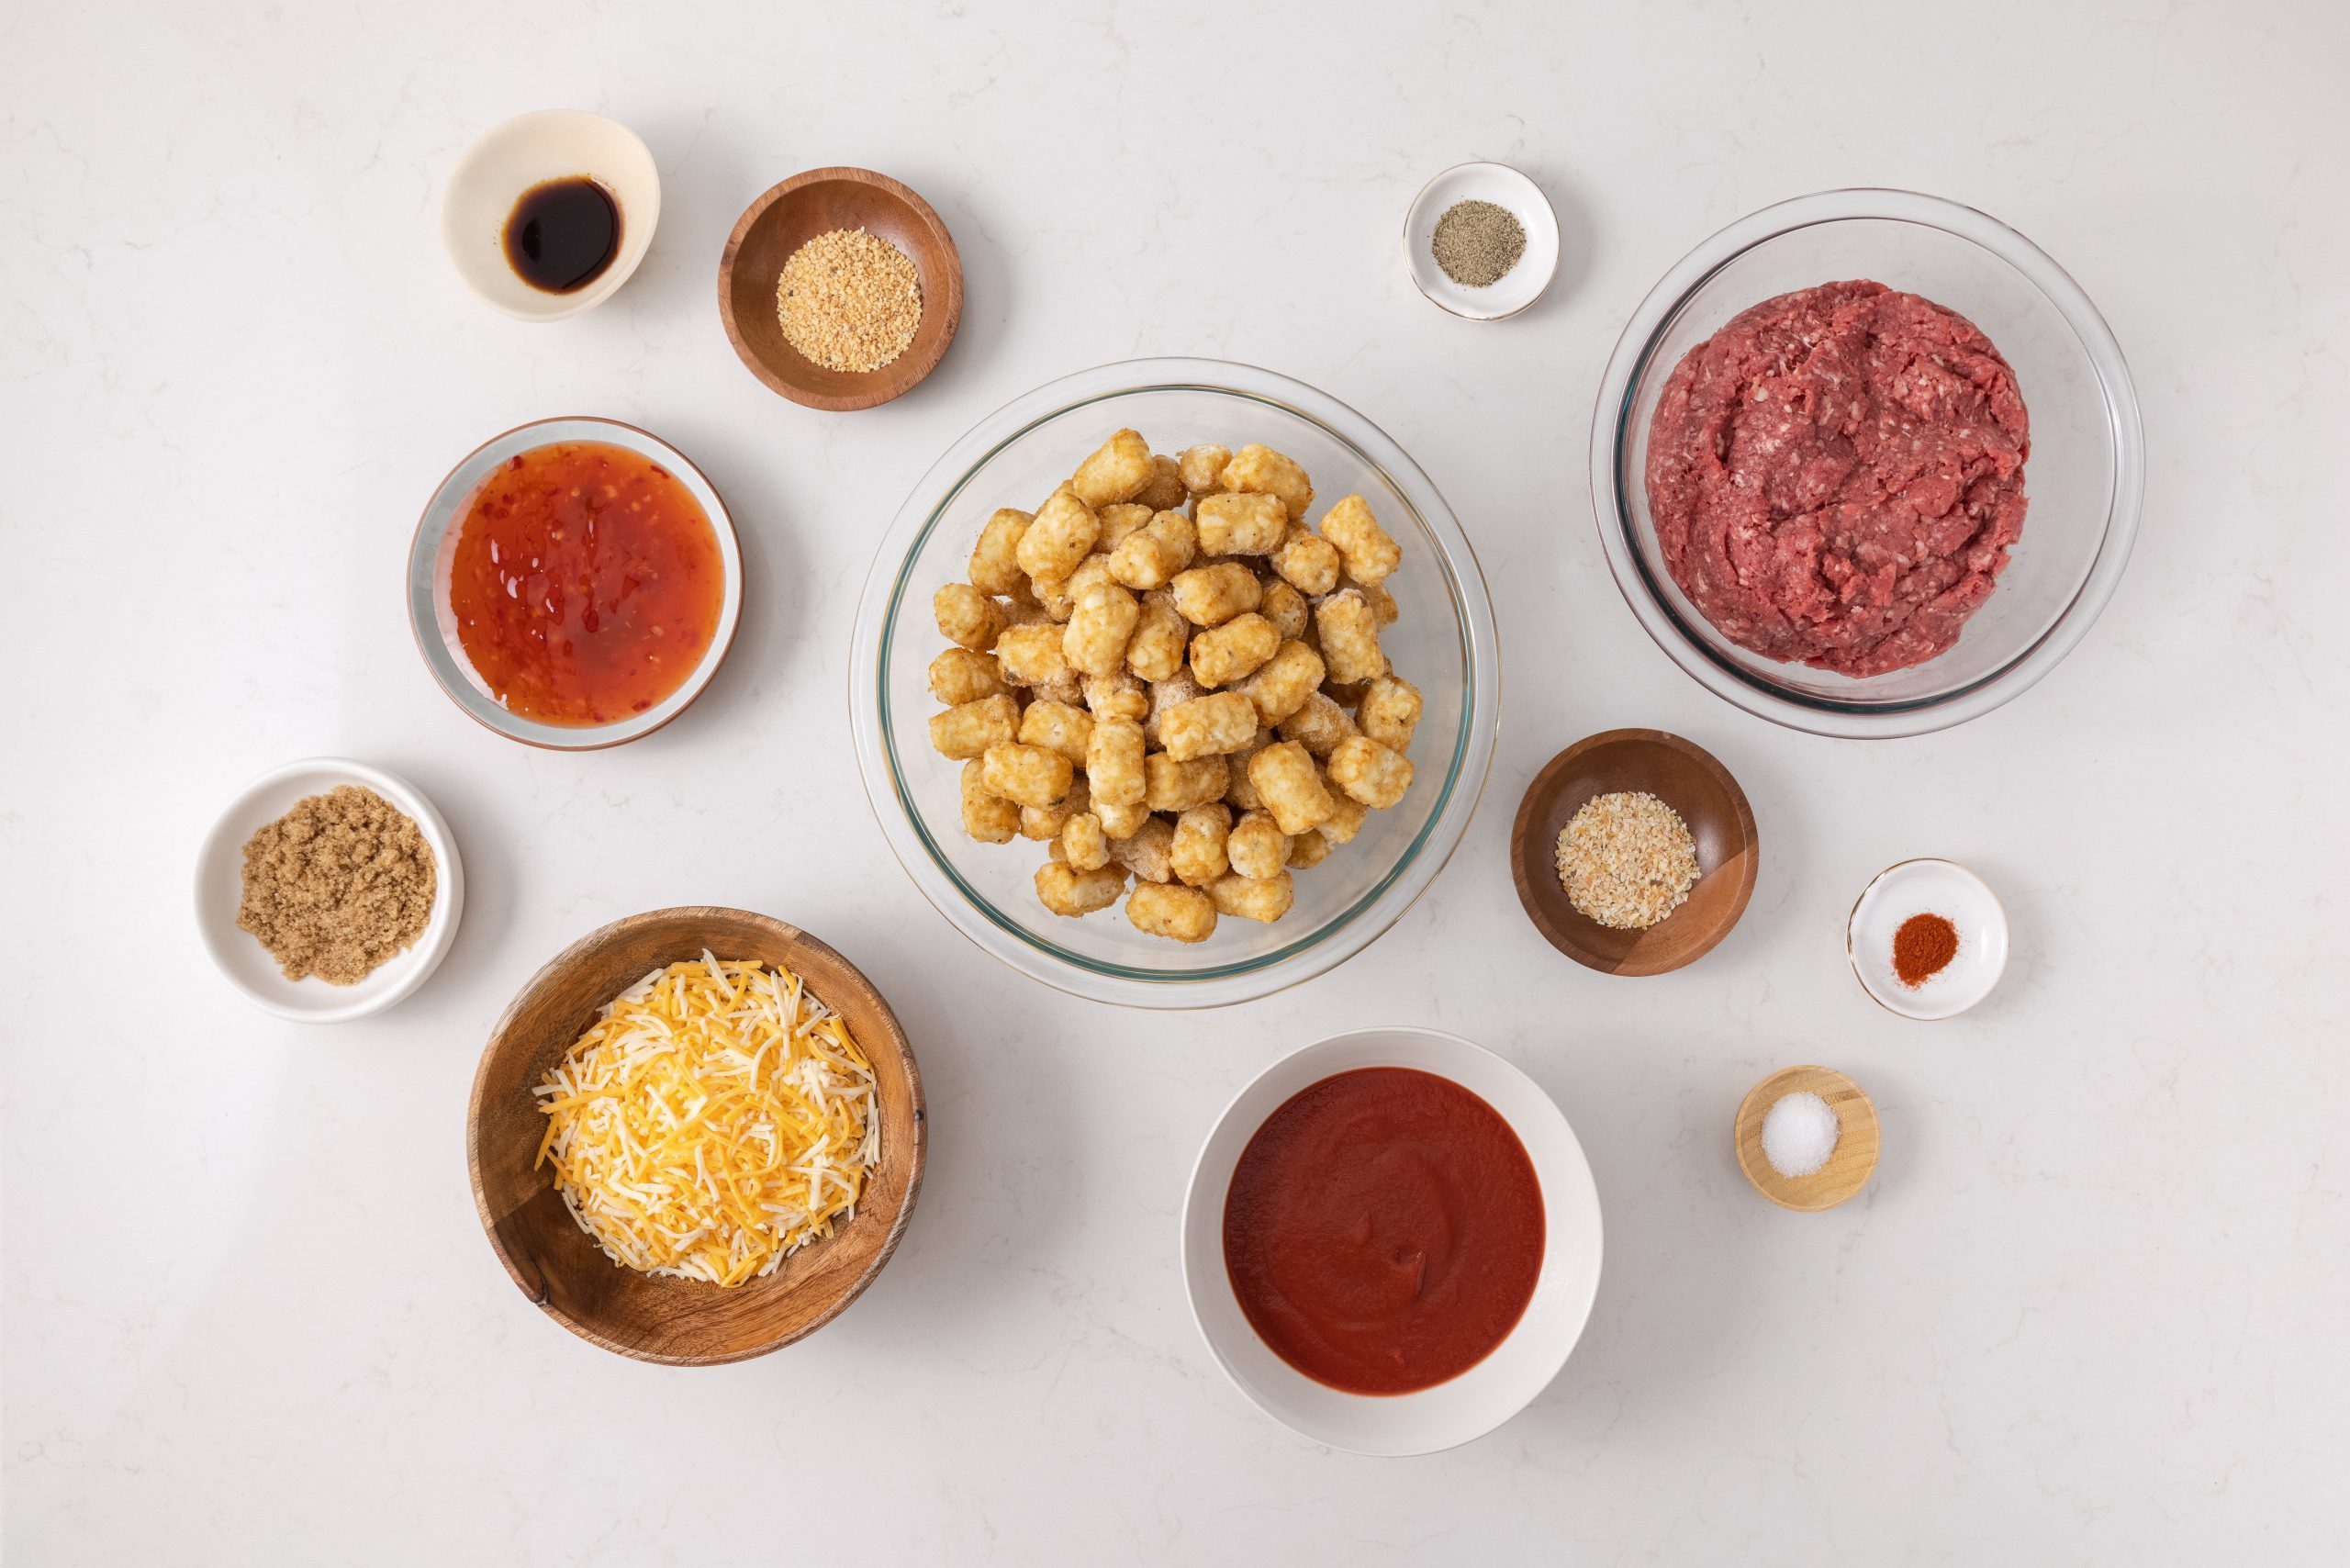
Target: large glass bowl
<point>1443,641</point>
<point>2084,478</point>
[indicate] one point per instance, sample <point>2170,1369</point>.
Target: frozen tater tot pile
<point>1173,680</point>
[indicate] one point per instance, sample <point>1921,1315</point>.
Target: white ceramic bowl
<point>1520,1367</point>
<point>1922,886</point>
<point>511,158</point>
<point>433,550</point>
<point>1505,188</point>
<point>219,890</point>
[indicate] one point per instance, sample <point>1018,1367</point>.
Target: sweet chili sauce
<point>586,583</point>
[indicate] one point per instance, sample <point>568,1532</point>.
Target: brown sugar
<point>337,885</point>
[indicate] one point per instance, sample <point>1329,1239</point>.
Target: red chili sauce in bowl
<point>1383,1230</point>
<point>586,583</point>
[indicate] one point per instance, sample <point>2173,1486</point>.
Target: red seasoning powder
<point>1923,945</point>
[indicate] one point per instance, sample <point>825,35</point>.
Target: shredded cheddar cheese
<point>714,1119</point>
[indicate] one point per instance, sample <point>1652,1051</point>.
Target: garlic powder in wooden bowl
<point>1627,859</point>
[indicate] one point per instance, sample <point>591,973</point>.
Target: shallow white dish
<point>1922,887</point>
<point>1494,1390</point>
<point>220,889</point>
<point>511,158</point>
<point>433,551</point>
<point>1505,188</point>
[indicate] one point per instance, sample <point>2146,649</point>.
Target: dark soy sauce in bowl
<point>563,233</point>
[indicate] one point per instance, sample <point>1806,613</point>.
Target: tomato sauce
<point>586,583</point>
<point>1383,1230</point>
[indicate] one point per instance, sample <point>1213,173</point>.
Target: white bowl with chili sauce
<point>1519,1367</point>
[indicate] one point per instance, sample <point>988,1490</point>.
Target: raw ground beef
<point>1836,476</point>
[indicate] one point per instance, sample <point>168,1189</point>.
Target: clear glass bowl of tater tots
<point>1442,641</point>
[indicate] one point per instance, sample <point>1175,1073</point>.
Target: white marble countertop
<point>2090,1308</point>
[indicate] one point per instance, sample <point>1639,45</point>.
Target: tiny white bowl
<point>1520,1367</point>
<point>219,890</point>
<point>1927,887</point>
<point>551,144</point>
<point>1505,187</point>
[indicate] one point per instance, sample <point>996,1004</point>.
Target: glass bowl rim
<point>1368,915</point>
<point>1635,350</point>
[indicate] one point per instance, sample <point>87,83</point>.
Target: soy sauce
<point>563,233</point>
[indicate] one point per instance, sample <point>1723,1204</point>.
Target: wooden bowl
<point>1847,1171</point>
<point>1684,777</point>
<point>787,217</point>
<point>679,1322</point>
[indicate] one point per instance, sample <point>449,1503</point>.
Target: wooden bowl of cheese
<point>605,1227</point>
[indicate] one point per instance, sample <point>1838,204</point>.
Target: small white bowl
<point>551,144</point>
<point>1520,1367</point>
<point>219,890</point>
<point>1504,186</point>
<point>1927,887</point>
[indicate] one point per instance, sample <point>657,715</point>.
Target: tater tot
<point>1318,726</point>
<point>1064,688</point>
<point>966,617</point>
<point>960,674</point>
<point>1150,557</point>
<point>1172,692</point>
<point>1366,548</point>
<point>1059,536</point>
<point>1347,813</point>
<point>1030,775</point>
<point>1065,890</point>
<point>1370,772</point>
<point>1116,696</point>
<point>1282,687</point>
<point>1260,468</point>
<point>1145,851</point>
<point>1383,608</point>
<point>1113,762</point>
<point>1083,844</point>
<point>995,559</point>
<point>1308,849</point>
<point>1185,914</point>
<point>1210,596</point>
<point>1173,786</point>
<point>1042,823</point>
<point>1207,726</point>
<point>1054,601</point>
<point>1348,632</point>
<point>1265,899</point>
<point>1155,652</point>
<point>1058,726</point>
<point>1201,468</point>
<point>1197,854</point>
<point>988,817</point>
<point>1095,642</point>
<point>1308,562</point>
<point>1286,608</point>
<point>1291,787</point>
<point>1118,471</point>
<point>1032,655</point>
<point>1236,649</point>
<point>1241,794</point>
<point>968,729</point>
<point>1390,712</point>
<point>1241,523</point>
<point>1118,523</point>
<point>1121,821</point>
<point>1257,846</point>
<point>1166,489</point>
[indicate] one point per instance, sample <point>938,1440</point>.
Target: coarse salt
<point>1799,1133</point>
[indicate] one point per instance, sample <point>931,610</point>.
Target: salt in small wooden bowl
<point>1848,1169</point>
<point>554,1262</point>
<point>1685,776</point>
<point>787,217</point>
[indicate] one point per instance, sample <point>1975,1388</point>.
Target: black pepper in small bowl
<point>1477,242</point>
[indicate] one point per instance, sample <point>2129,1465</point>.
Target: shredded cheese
<point>715,1118</point>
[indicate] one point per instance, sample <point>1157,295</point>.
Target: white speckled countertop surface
<point>2089,1310</point>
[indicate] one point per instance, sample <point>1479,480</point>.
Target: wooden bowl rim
<point>893,380</point>
<point>791,935</point>
<point>1789,1190</point>
<point>1523,850</point>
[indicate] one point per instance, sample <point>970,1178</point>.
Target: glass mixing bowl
<point>2084,478</point>
<point>1442,641</point>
